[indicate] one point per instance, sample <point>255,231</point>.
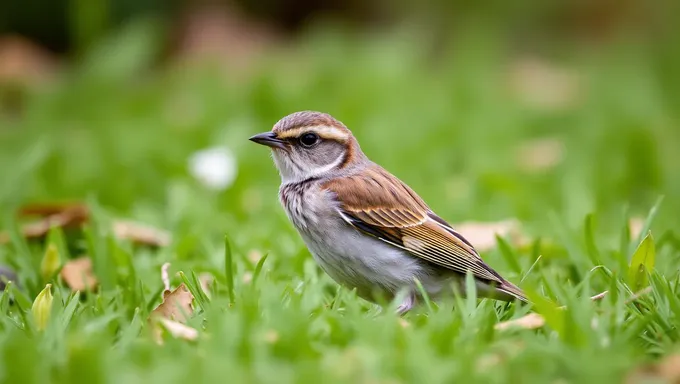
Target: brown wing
<point>380,205</point>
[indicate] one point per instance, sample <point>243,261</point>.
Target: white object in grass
<point>214,167</point>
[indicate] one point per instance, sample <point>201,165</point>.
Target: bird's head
<point>311,144</point>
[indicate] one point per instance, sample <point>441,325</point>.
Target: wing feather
<point>380,205</point>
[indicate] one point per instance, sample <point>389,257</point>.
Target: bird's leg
<point>407,304</point>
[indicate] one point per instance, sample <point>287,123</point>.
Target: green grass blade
<point>198,296</point>
<point>425,296</point>
<point>509,255</point>
<point>199,288</point>
<point>650,219</point>
<point>258,268</point>
<point>229,269</point>
<point>69,311</point>
<point>131,332</point>
<point>641,264</point>
<point>553,315</point>
<point>591,248</point>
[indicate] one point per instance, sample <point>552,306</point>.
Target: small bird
<point>366,228</point>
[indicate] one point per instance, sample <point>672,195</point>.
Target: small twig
<point>599,296</point>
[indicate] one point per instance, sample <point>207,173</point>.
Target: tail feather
<point>512,290</point>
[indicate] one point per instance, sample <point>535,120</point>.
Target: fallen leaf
<point>483,235</point>
<point>666,371</point>
<point>140,233</point>
<point>530,321</point>
<point>539,155</point>
<point>176,304</point>
<point>64,216</point>
<point>23,62</point>
<point>75,215</point>
<point>49,209</point>
<point>177,330</point>
<point>176,307</point>
<point>78,275</point>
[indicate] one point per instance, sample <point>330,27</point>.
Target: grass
<point>117,135</point>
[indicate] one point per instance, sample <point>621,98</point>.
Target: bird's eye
<point>309,139</point>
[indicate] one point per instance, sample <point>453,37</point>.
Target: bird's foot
<point>407,304</point>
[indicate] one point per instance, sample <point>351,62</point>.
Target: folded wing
<point>378,204</point>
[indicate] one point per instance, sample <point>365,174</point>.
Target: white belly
<point>351,258</point>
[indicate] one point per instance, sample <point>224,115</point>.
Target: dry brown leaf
<point>175,308</point>
<point>176,304</point>
<point>78,275</point>
<point>53,215</point>
<point>540,155</point>
<point>483,235</point>
<point>75,215</point>
<point>666,371</point>
<point>49,209</point>
<point>140,233</point>
<point>23,62</point>
<point>530,321</point>
<point>177,330</point>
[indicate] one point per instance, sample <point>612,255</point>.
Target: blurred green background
<point>110,98</point>
<point>540,111</point>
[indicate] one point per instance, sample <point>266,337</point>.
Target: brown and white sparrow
<point>366,228</point>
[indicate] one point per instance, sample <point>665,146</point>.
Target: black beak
<point>269,139</point>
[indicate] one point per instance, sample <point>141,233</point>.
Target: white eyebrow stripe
<point>324,131</point>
